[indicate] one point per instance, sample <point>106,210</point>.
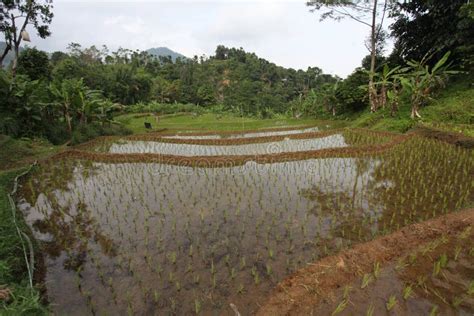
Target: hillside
<point>452,110</point>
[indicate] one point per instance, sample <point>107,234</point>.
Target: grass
<point>452,110</point>
<point>16,153</point>
<point>13,275</point>
<point>14,156</point>
<point>209,122</point>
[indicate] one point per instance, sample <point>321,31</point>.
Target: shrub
<point>163,108</point>
<point>87,132</point>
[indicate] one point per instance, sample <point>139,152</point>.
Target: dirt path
<point>300,292</point>
<point>447,137</point>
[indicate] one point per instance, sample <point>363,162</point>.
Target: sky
<point>284,32</point>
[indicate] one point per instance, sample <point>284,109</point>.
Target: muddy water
<point>246,135</point>
<point>287,145</point>
<point>158,239</point>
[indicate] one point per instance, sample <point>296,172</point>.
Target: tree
<point>423,80</point>
<point>329,97</point>
<point>15,16</point>
<point>385,81</point>
<point>34,63</point>
<point>367,12</point>
<point>433,27</point>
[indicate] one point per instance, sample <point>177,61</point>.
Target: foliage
<point>85,132</point>
<point>352,93</point>
<point>163,108</point>
<point>34,64</point>
<point>422,81</point>
<point>434,27</point>
<point>15,16</point>
<point>12,265</point>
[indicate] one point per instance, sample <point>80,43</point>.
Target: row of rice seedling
<point>434,279</point>
<point>287,145</point>
<point>245,134</point>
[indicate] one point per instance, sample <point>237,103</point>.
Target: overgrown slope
<point>452,110</point>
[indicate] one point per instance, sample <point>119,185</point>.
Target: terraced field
<point>209,223</point>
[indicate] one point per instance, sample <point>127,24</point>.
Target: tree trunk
<point>15,59</point>
<point>383,96</point>
<point>5,53</point>
<point>372,90</point>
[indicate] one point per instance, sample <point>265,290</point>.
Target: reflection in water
<point>246,135</point>
<point>287,145</point>
<point>153,239</point>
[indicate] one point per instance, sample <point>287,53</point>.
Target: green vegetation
<point>226,122</point>
<point>13,276</point>
<point>452,110</point>
<point>19,152</point>
<point>14,280</point>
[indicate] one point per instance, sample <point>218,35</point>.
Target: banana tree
<point>423,81</point>
<point>329,98</point>
<point>64,100</point>
<point>385,81</point>
<point>90,101</point>
<point>104,111</point>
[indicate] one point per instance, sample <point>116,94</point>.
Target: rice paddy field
<point>210,222</point>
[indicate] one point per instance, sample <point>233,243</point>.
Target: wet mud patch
<point>448,137</point>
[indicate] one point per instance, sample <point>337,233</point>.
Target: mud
<point>447,137</point>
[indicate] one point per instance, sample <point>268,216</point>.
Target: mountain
<point>10,55</point>
<point>165,51</point>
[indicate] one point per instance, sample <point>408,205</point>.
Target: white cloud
<point>283,32</point>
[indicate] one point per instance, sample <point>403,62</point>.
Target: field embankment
<point>370,275</point>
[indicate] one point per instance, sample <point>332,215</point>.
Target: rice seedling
<point>434,310</point>
<point>366,279</point>
<point>407,292</point>
<point>392,301</point>
<point>340,307</point>
<point>197,306</point>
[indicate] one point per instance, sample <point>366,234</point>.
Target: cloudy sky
<point>284,31</point>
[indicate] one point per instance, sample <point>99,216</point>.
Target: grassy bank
<point>16,296</point>
<point>208,121</point>
<point>452,111</point>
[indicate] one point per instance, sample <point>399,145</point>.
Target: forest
<point>53,94</point>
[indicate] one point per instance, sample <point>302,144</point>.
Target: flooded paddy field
<point>277,132</point>
<point>285,143</point>
<point>154,238</point>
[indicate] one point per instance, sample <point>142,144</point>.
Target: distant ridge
<point>157,51</point>
<point>165,51</point>
<point>10,55</point>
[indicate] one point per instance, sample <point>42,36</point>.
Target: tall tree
<point>15,16</point>
<point>370,13</point>
<point>434,27</point>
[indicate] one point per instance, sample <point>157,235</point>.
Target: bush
<point>57,133</point>
<point>87,132</point>
<point>163,108</point>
